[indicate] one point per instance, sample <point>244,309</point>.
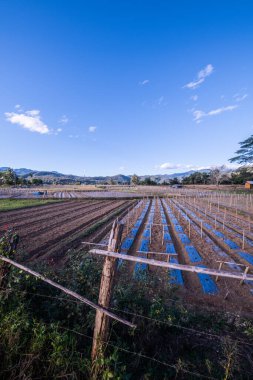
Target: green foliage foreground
<point>47,335</point>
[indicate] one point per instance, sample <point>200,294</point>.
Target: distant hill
<point>56,177</point>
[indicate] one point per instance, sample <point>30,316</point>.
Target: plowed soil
<point>47,229</point>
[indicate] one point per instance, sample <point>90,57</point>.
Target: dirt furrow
<point>55,220</point>
<point>48,238</point>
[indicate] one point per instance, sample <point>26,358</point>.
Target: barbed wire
<point>159,321</point>
<point>174,366</point>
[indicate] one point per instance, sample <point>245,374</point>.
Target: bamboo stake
<point>187,268</point>
<point>220,266</point>
<point>244,275</point>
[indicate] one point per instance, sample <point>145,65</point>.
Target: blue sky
<point>108,87</point>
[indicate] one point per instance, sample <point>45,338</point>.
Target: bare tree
<point>218,174</point>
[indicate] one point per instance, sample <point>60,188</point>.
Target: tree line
<point>10,178</point>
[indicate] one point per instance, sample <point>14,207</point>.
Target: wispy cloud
<point>172,166</point>
<point>144,82</point>
<point>198,115</point>
<point>201,76</point>
<point>188,167</point>
<point>92,128</point>
<point>63,120</point>
<point>160,102</point>
<point>30,120</point>
<point>240,97</point>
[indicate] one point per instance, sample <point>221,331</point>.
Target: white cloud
<point>92,128</point>
<point>30,120</point>
<point>145,81</point>
<point>171,166</point>
<point>122,168</point>
<point>187,167</point>
<point>202,74</point>
<point>63,120</point>
<point>198,115</point>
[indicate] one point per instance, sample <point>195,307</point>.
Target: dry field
<point>196,228</point>
<point>48,231</point>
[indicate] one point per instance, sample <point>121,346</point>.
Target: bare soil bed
<point>48,230</point>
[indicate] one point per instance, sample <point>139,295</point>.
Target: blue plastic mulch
<point>139,268</point>
<point>175,274</point>
<point>207,283</point>
<point>146,233</point>
<point>231,244</point>
<point>144,245</point>
<point>133,232</point>
<point>219,234</point>
<point>207,226</point>
<point>167,236</point>
<point>170,248</point>
<point>193,254</point>
<point>178,228</point>
<point>246,256</point>
<point>184,238</point>
<point>138,223</point>
<point>166,228</point>
<point>127,243</point>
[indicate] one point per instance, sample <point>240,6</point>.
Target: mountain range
<point>56,177</point>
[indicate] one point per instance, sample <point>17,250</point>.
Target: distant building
<point>249,185</point>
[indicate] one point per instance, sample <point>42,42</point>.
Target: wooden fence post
<point>101,328</point>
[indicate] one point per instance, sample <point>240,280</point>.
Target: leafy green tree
<point>9,177</point>
<point>244,155</point>
<point>174,181</point>
<point>36,181</point>
<point>242,175</point>
<point>148,182</point>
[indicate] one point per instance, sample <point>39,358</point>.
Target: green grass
<point>12,204</point>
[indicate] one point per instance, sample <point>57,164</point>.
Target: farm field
<point>202,230</point>
<point>179,231</point>
<point>47,232</point>
<point>63,193</point>
<point>183,309</point>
